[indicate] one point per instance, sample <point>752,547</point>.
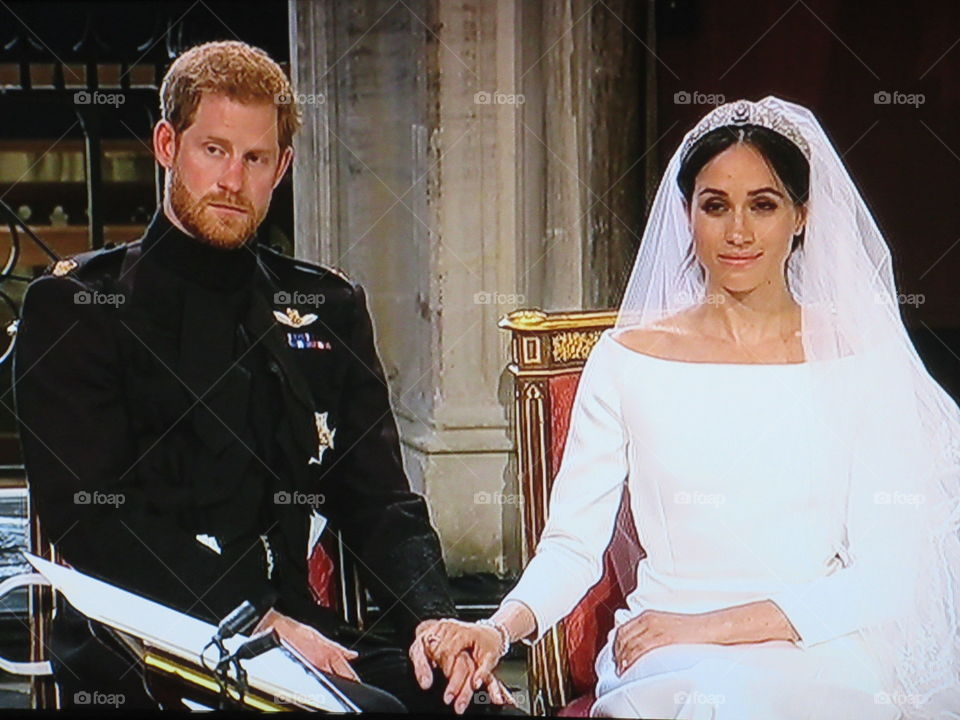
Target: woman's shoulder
<point>668,338</point>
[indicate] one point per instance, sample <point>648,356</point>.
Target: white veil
<point>842,278</point>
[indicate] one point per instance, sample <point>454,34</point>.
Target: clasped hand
<point>466,654</point>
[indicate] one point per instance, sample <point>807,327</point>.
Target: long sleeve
<point>385,523</point>
<point>81,464</point>
<point>583,503</point>
<point>883,532</point>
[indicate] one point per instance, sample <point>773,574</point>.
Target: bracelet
<point>504,635</point>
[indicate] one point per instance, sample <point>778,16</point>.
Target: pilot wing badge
<point>292,318</point>
<point>324,437</point>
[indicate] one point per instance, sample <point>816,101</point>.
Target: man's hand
<point>465,653</point>
<point>322,652</point>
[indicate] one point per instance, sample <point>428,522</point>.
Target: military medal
<point>291,318</point>
<point>63,267</point>
<point>324,437</point>
<point>306,341</point>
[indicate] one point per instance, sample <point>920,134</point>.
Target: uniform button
<point>274,367</point>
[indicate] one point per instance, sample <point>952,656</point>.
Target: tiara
<point>745,112</point>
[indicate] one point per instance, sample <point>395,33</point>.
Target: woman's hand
<point>652,629</point>
<point>322,652</point>
<point>466,654</point>
<point>753,622</point>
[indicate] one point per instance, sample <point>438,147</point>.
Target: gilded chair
<point>548,353</point>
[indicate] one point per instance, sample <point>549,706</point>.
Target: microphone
<point>243,617</point>
<point>257,645</point>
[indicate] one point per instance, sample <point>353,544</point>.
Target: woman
<point>793,469</point>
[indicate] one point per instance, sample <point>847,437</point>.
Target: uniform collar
<point>195,261</point>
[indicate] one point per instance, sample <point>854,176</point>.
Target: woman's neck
<point>751,318</point>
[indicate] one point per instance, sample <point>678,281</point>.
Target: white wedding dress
<point>743,487</point>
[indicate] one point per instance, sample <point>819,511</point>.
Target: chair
<point>333,579</point>
<point>548,353</point>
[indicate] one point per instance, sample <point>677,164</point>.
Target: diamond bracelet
<point>504,635</point>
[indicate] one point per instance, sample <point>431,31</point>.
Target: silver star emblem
<point>324,437</point>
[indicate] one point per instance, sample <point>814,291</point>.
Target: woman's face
<point>742,219</point>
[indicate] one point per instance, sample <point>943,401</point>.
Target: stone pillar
<point>454,152</point>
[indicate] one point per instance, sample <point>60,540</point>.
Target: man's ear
<point>282,166</point>
<point>164,143</point>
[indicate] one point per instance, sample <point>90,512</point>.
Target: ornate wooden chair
<point>333,582</point>
<point>549,350</point>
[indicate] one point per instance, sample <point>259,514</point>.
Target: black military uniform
<point>184,409</point>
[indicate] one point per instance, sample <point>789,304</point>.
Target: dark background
<point>833,57</point>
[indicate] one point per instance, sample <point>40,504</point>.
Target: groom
<point>193,404</point>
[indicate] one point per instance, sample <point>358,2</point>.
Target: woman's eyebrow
<point>758,191</point>
<point>768,189</point>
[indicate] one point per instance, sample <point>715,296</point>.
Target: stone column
<point>455,150</point>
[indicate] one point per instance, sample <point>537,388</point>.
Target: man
<point>188,400</point>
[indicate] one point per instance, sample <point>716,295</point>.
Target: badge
<point>324,437</point>
<point>63,267</point>
<point>306,341</point>
<point>268,554</point>
<point>210,541</point>
<point>291,318</point>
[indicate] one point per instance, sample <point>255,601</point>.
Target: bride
<point>793,469</point>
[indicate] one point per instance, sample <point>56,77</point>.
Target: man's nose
<point>232,177</point>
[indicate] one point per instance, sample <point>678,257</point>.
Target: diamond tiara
<point>745,112</point>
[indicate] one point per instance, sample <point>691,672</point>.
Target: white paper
<point>274,673</point>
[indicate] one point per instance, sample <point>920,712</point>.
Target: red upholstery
<point>579,707</point>
<point>322,574</point>
<point>587,626</point>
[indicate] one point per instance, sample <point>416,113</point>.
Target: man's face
<point>222,169</point>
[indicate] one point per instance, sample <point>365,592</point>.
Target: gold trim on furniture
<point>544,345</point>
<point>168,665</point>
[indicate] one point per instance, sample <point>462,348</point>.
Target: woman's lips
<point>738,260</point>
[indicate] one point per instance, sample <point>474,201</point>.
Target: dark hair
<point>782,155</point>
